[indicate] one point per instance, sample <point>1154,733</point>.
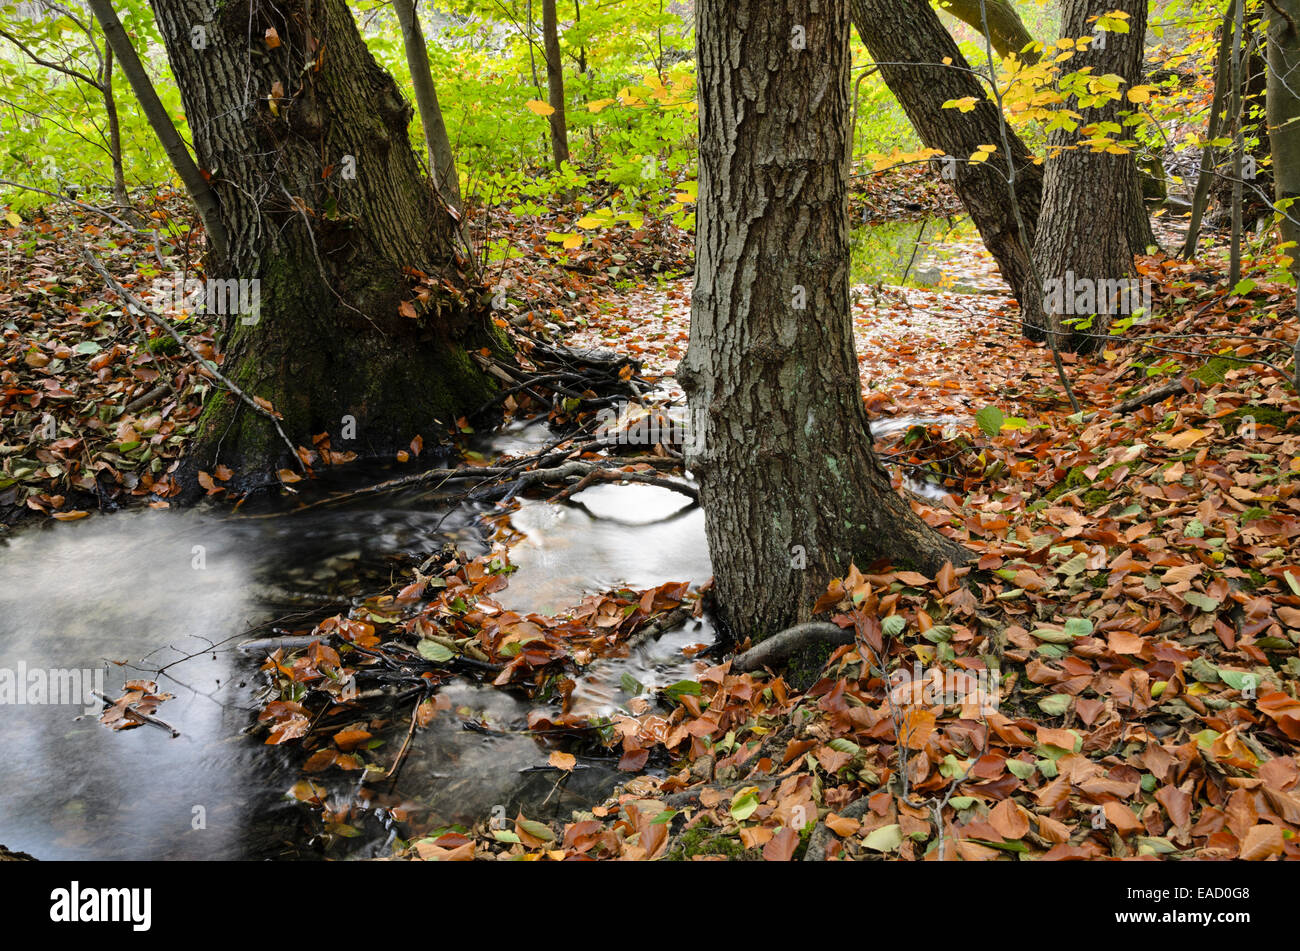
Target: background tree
<point>555,83</point>
<point>924,68</point>
<point>1007,31</point>
<point>442,161</point>
<point>791,489</point>
<point>1284,114</point>
<point>368,311</point>
<point>1094,220</point>
<point>177,153</point>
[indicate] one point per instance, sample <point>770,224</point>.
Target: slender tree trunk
<point>1284,114</point>
<point>792,491</point>
<point>1209,154</point>
<point>1007,31</point>
<point>442,162</point>
<point>174,147</point>
<point>1090,228</point>
<point>369,313</point>
<point>923,67</point>
<point>555,83</point>
<point>114,131</point>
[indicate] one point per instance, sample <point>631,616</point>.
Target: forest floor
<point>1136,590</point>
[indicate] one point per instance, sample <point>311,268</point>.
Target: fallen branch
<point>775,650</point>
<point>1158,395</point>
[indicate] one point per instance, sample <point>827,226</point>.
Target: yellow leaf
<point>13,219</point>
<point>1139,94</point>
<point>564,761</point>
<point>573,241</point>
<point>539,107</point>
<point>1186,438</point>
<point>600,104</point>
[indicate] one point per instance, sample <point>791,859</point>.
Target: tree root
<point>775,650</point>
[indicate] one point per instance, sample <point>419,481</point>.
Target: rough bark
<point>306,140</point>
<point>1284,114</point>
<point>204,199</point>
<point>1093,220</point>
<point>1007,31</point>
<point>791,489</point>
<point>442,161</point>
<point>555,83</point>
<point>907,40</point>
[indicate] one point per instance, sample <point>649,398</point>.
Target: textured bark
<point>1094,220</point>
<point>779,436</point>
<point>306,141</point>
<point>204,200</point>
<point>442,161</point>
<point>1007,31</point>
<point>911,45</point>
<point>555,83</point>
<point>1284,113</point>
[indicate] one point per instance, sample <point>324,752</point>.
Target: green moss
<point>1262,415</point>
<point>1077,479</point>
<point>1251,514</point>
<point>704,839</point>
<point>1216,369</point>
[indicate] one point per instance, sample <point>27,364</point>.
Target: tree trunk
<point>1093,214</point>
<point>907,40</point>
<point>555,83</point>
<point>114,131</point>
<point>442,161</point>
<point>1006,29</point>
<point>368,313</point>
<point>205,200</point>
<point>1209,153</point>
<point>791,489</point>
<point>1284,114</point>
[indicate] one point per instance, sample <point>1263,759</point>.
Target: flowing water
<point>167,596</point>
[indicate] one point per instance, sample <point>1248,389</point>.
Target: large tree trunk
<point>442,161</point>
<point>1006,29</point>
<point>305,138</point>
<point>555,83</point>
<point>1094,220</point>
<point>791,489</point>
<point>923,67</point>
<point>1284,113</point>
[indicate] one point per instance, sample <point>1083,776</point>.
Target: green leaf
<point>893,625</point>
<point>1202,601</point>
<point>884,839</point>
<point>1020,769</point>
<point>743,806</point>
<point>990,420</point>
<point>438,653</point>
<point>1055,705</point>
